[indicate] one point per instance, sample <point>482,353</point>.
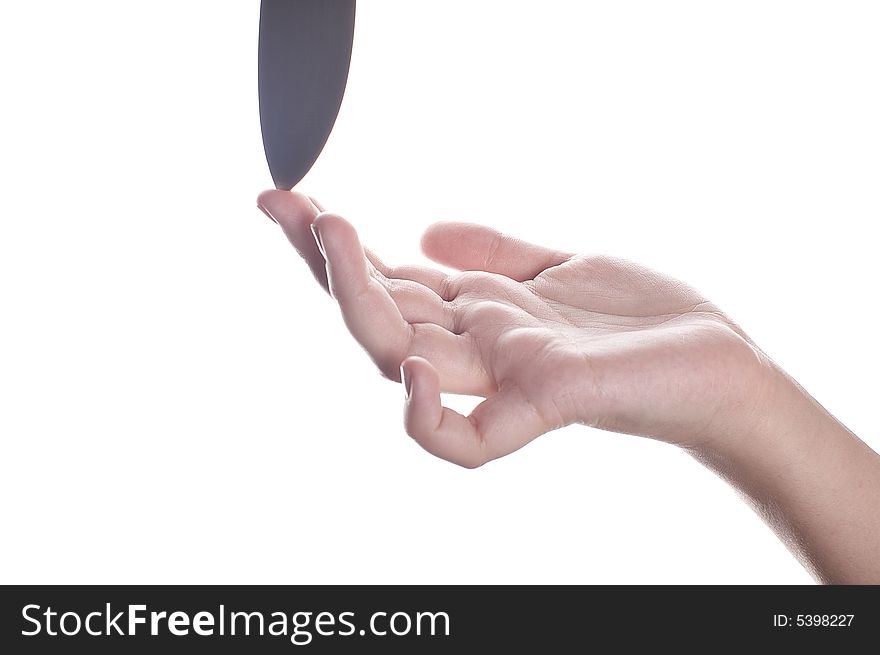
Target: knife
<point>304,55</point>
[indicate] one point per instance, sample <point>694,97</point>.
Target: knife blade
<point>304,55</point>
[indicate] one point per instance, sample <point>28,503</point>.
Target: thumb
<point>470,247</point>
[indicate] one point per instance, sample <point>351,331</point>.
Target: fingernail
<point>266,212</point>
<point>318,240</point>
<point>407,382</point>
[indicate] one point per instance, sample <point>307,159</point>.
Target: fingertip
<point>422,387</point>
<point>335,235</point>
<point>284,206</point>
<point>408,370</point>
<point>463,246</point>
<point>418,367</point>
<point>265,197</point>
<point>325,221</point>
<point>436,235</point>
<point>276,196</point>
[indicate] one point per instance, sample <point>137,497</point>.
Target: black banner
<point>413,619</point>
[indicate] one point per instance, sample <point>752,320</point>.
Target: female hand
<point>547,337</point>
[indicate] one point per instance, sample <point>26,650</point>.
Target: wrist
<point>771,409</point>
<point>810,479</point>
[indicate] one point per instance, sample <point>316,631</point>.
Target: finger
<point>470,247</point>
<point>409,287</point>
<point>431,278</point>
<point>376,322</point>
<point>368,311</point>
<point>499,425</point>
<point>295,212</point>
<point>418,304</point>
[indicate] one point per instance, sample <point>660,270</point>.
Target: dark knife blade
<point>304,55</point>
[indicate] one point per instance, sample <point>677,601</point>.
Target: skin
<point>550,339</point>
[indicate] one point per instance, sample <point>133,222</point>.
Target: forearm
<point>813,481</point>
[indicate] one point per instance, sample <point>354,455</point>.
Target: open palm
<point>547,337</point>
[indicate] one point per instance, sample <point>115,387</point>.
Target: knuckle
<point>409,426</point>
<point>492,251</point>
<point>462,282</point>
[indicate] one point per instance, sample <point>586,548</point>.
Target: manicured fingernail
<point>407,382</point>
<point>318,240</point>
<point>266,212</point>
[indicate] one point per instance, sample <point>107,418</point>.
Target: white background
<point>180,402</point>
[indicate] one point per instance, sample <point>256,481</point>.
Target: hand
<point>547,337</point>
<point>550,338</point>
